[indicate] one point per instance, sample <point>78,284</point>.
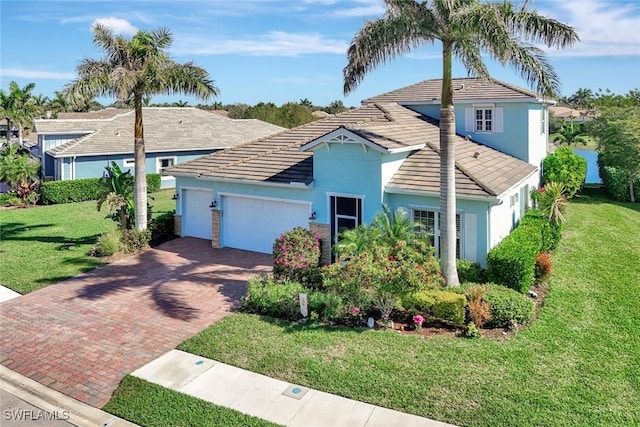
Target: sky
<point>287,50</point>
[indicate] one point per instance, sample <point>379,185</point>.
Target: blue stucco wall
<point>513,140</point>
<point>94,166</point>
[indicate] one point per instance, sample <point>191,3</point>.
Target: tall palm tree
<point>59,104</point>
<point>130,70</point>
<point>21,108</point>
<point>466,29</point>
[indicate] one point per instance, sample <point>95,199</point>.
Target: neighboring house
<point>571,115</point>
<point>82,144</point>
<point>337,172</point>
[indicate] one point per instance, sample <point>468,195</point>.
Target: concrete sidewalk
<point>267,398</point>
<point>28,403</point>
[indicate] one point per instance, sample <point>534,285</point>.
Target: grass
<point>579,364</point>
<point>46,244</point>
<point>152,405</point>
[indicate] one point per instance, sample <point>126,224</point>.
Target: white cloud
<point>34,74</point>
<point>117,25</point>
<point>274,43</point>
<point>605,27</point>
<point>365,8</point>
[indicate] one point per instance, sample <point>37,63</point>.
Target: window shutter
<point>499,120</point>
<point>468,120</point>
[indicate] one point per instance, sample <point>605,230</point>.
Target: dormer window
<point>484,119</point>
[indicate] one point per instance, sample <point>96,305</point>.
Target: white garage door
<point>254,224</point>
<point>196,213</point>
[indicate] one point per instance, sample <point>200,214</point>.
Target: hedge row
<point>512,262</point>
<point>616,184</point>
<point>80,190</point>
<point>439,305</point>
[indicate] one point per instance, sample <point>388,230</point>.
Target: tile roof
<point>279,159</point>
<point>464,89</point>
<point>166,129</point>
<point>105,113</point>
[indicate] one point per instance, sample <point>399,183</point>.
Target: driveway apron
<point>81,336</point>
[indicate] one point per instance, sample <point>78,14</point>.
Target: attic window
<point>483,119</point>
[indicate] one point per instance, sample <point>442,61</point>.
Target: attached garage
<point>196,219</point>
<point>253,224</point>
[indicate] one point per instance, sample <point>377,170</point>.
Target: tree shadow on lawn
<point>16,230</point>
<point>170,283</point>
<point>593,196</point>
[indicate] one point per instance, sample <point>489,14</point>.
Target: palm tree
<point>582,99</point>
<point>568,135</point>
<point>59,104</point>
<point>21,107</point>
<point>130,70</point>
<point>466,29</point>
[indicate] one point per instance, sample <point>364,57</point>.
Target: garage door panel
<point>196,219</point>
<point>254,224</point>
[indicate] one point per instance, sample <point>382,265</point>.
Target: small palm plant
<point>552,201</point>
<point>118,195</point>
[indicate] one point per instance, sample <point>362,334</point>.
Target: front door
<point>346,213</point>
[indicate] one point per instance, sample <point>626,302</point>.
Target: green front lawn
<point>578,364</point>
<point>149,404</point>
<point>46,244</point>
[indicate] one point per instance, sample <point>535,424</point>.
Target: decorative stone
<point>533,294</point>
<point>370,322</point>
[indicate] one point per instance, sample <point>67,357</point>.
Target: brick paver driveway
<point>83,335</point>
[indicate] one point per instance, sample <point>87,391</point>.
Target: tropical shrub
<point>511,263</point>
<point>108,244</point>
<point>154,181</point>
<point>117,194</point>
<point>77,190</point>
<point>296,256</point>
<point>162,228</point>
<point>543,268</point>
<point>436,304</point>
<point>326,306</point>
<point>508,307</point>
<point>469,271</point>
<point>384,275</point>
<point>616,184</point>
<point>550,233</point>
<point>133,240</point>
<point>20,172</point>
<point>478,307</point>
<point>269,297</point>
<point>9,199</point>
<point>552,201</point>
<point>566,167</point>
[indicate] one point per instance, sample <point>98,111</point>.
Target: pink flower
<point>418,320</point>
<point>355,311</point>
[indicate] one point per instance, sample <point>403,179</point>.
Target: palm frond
<point>183,78</point>
<point>382,40</point>
<point>470,55</point>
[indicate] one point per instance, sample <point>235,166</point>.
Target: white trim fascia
<point>396,190</point>
<point>271,199</point>
<point>115,153</point>
<point>294,185</point>
<point>480,100</point>
<point>84,132</point>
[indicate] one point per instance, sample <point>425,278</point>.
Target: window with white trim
<point>427,224</point>
<point>483,119</point>
<point>163,163</point>
<point>513,200</point>
<point>129,163</point>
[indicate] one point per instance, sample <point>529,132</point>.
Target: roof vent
<point>476,155</point>
<point>467,138</point>
<point>117,132</point>
<point>180,121</point>
<point>461,86</point>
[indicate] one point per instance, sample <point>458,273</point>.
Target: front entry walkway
<point>83,335</point>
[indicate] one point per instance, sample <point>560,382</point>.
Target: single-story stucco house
<point>82,144</point>
<point>337,172</point>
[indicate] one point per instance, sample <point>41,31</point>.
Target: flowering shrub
<point>418,320</point>
<point>296,256</point>
<point>543,268</point>
<point>380,276</point>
